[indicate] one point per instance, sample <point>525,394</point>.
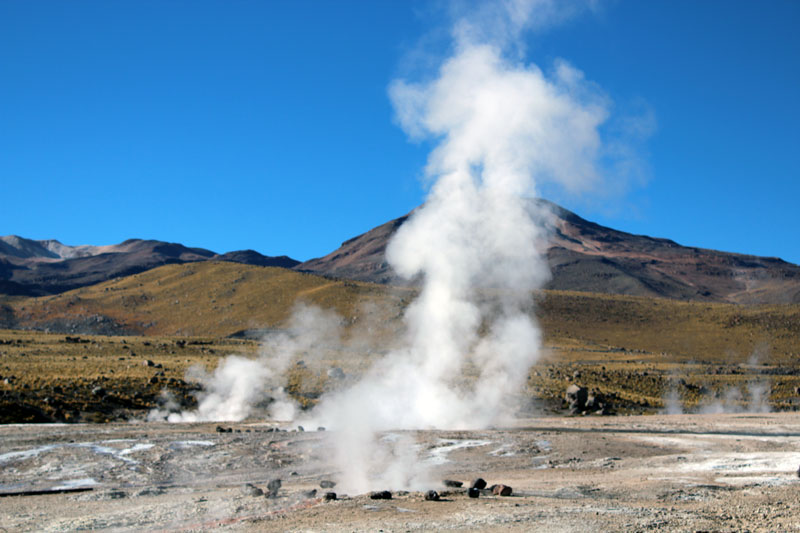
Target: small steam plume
<point>503,128</point>
<point>239,384</point>
<point>731,400</point>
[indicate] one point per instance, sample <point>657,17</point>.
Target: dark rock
<point>248,489</point>
<point>329,496</point>
<point>473,492</point>
<point>310,494</point>
<point>501,490</point>
<point>432,496</point>
<point>273,487</point>
<point>576,397</point>
<point>327,484</point>
<point>336,373</point>
<point>478,483</point>
<point>452,483</point>
<point>147,362</point>
<point>381,495</point>
<point>99,392</point>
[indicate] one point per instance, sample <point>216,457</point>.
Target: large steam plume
<point>503,127</point>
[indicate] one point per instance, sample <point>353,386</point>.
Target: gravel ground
<point>637,473</point>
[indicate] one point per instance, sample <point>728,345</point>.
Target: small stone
<point>336,373</point>
<point>478,483</point>
<point>327,484</point>
<point>501,490</point>
<point>310,494</point>
<point>452,483</point>
<point>248,489</point>
<point>381,495</point>
<point>473,492</point>
<point>272,488</point>
<point>147,362</point>
<point>432,496</point>
<point>99,392</point>
<point>329,496</point>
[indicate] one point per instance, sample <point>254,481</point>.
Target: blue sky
<point>267,125</point>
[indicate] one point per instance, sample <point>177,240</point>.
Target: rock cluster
<point>582,401</point>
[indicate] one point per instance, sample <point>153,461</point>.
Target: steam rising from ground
<point>503,128</point>
<point>731,400</point>
<point>239,384</point>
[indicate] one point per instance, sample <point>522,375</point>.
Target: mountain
<point>587,257</point>
<point>34,268</point>
<point>251,257</point>
<point>583,256</point>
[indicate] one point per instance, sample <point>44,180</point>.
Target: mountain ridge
<point>583,256</point>
<point>588,257</point>
<point>37,268</point>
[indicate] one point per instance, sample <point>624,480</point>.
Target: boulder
<point>248,489</point>
<point>432,496</point>
<point>478,483</point>
<point>501,490</point>
<point>576,398</point>
<point>336,373</point>
<point>273,487</point>
<point>381,495</point>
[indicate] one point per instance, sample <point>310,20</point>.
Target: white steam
<point>239,384</point>
<point>503,128</point>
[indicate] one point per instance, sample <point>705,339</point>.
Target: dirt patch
<point>673,473</point>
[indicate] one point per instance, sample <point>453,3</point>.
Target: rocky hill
<point>588,257</point>
<point>583,256</point>
<point>34,268</point>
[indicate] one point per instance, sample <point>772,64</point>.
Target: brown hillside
<point>220,299</point>
<point>588,257</point>
<point>208,298</point>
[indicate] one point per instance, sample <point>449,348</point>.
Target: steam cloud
<point>239,384</point>
<point>503,129</point>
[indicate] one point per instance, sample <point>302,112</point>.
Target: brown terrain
<point>35,268</point>
<point>583,256</point>
<point>588,257</point>
<point>96,338</point>
<point>725,473</point>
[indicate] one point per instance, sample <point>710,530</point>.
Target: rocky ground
<point>732,472</point>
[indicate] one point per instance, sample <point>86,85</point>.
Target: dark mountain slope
<point>35,268</point>
<point>585,256</point>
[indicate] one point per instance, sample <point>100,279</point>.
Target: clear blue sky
<point>266,125</point>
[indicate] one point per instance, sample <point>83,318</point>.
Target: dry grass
<point>632,349</point>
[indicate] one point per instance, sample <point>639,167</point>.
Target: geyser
<point>502,129</point>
